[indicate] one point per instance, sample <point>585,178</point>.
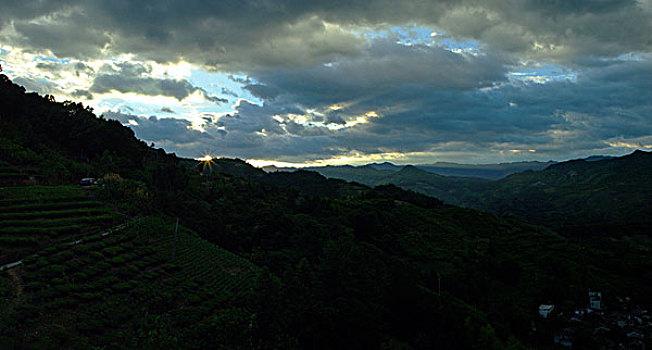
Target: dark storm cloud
<point>49,66</point>
<point>81,68</point>
<point>262,91</point>
<point>251,118</point>
<point>127,77</point>
<point>251,35</point>
<point>25,10</point>
<point>558,119</point>
<point>554,118</point>
<point>82,93</point>
<point>384,67</point>
<point>320,66</point>
<point>57,67</point>
<point>162,130</point>
<point>42,86</point>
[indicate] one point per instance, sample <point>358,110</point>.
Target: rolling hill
<point>608,196</point>
<point>366,173</point>
<point>581,198</point>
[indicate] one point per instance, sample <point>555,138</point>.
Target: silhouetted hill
<point>384,166</point>
<point>484,171</point>
<point>596,158</point>
<point>585,197</point>
<point>612,195</point>
<point>64,141</point>
<point>446,188</point>
<point>366,174</point>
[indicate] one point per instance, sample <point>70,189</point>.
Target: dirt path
<point>17,285</point>
<point>10,266</point>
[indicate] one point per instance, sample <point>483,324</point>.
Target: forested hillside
<point>580,198</point>
<point>276,260</point>
<point>601,196</point>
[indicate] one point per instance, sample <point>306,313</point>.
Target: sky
<point>348,82</point>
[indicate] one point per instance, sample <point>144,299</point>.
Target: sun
<point>206,161</point>
<point>205,158</point>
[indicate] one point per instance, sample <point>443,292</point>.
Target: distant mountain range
<point>577,197</point>
<point>484,171</point>
<point>598,193</point>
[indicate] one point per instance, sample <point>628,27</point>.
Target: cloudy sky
<point>334,82</point>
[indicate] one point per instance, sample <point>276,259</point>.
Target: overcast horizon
<point>318,83</point>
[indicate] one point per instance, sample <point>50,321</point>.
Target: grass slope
<point>124,291</point>
<point>33,217</point>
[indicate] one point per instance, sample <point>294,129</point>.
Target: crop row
<point>39,206</point>
<point>39,193</point>
<point>12,176</point>
<point>96,285</point>
<point>56,222</point>
<point>53,214</point>
<point>45,199</point>
<point>42,231</point>
<point>203,261</point>
<point>18,241</point>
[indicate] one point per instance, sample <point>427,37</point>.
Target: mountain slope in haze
<point>484,171</point>
<point>368,174</point>
<point>613,195</point>
<point>446,188</point>
<point>365,173</point>
<point>582,197</point>
<point>385,166</point>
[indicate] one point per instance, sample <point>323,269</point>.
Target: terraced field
<point>122,285</point>
<point>34,217</point>
<point>11,176</point>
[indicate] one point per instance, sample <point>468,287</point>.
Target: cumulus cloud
<point>559,120</point>
<point>41,85</point>
<point>250,35</point>
<point>82,93</point>
<point>128,77</point>
<point>384,67</point>
<point>334,79</point>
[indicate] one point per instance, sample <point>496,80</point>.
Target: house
<point>595,300</point>
<point>545,310</point>
<point>87,181</point>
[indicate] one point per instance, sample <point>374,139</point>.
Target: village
<point>620,325</point>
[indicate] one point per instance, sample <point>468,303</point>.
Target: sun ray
<point>206,161</point>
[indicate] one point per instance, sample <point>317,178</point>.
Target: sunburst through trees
<point>206,162</point>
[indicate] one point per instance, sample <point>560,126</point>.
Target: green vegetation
<point>278,260</point>
<point>98,300</point>
<point>33,217</point>
<point>581,199</point>
<point>610,197</point>
<point>22,208</point>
